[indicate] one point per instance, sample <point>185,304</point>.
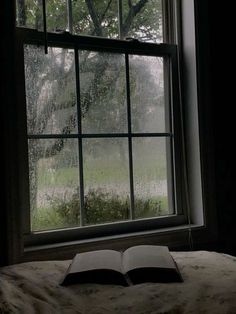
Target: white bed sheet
<point>209,287</point>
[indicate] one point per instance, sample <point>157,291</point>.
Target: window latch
<point>135,40</point>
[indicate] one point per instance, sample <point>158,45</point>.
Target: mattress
<point>209,287</point>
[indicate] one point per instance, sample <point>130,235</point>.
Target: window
<point>103,137</point>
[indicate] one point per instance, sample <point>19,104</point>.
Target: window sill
<point>176,238</point>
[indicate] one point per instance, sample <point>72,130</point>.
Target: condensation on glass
<point>106,180</point>
<point>99,142</point>
<point>54,183</point>
<point>103,92</point>
<point>147,94</point>
<point>150,177</point>
<point>50,90</point>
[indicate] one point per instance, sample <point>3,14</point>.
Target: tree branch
<point>139,6</point>
<point>130,3</point>
<point>58,145</point>
<point>105,11</point>
<point>94,17</point>
<point>133,11</point>
<point>102,17</point>
<point>91,94</point>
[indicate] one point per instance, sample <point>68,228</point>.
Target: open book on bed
<point>137,264</point>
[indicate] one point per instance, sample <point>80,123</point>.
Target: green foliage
<point>106,13</point>
<point>153,207</point>
<point>97,17</point>
<point>99,207</point>
<point>46,219</point>
<point>68,211</point>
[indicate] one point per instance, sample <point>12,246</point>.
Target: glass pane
<point>96,18</point>
<point>140,19</point>
<point>147,94</point>
<point>146,22</point>
<point>29,13</point>
<point>56,15</point>
<point>150,177</point>
<point>103,92</point>
<point>50,90</point>
<point>54,183</point>
<point>106,180</point>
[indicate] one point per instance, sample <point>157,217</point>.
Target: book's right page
<point>150,263</point>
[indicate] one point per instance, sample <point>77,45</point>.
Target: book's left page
<point>102,266</point>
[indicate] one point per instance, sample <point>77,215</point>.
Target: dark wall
<point>215,32</point>
<point>222,67</point>
<point>7,119</point>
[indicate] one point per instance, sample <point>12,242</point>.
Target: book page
<point>101,259</point>
<point>143,256</point>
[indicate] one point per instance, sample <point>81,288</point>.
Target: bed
<point>209,287</point>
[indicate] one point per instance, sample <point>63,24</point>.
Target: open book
<point>137,264</point>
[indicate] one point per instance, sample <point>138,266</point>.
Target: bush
<point>102,207</point>
<point>99,207</point>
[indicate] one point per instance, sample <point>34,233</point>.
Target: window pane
<point>141,19</point>
<point>54,183</point>
<point>106,178</point>
<point>56,15</point>
<point>150,177</point>
<point>146,24</point>
<point>103,92</point>
<point>147,94</point>
<point>29,13</point>
<point>50,90</point>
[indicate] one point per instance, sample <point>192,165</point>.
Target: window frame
<point>124,47</point>
<point>200,182</point>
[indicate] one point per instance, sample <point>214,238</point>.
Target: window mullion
<point>169,19</point>
<point>45,27</point>
<point>69,16</point>
<point>181,185</point>
<point>171,186</point>
<point>80,140</point>
<point>23,162</point>
<point>131,177</point>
